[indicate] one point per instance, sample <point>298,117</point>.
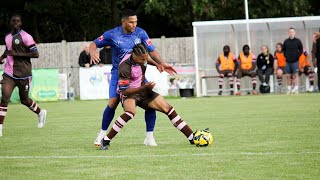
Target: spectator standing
<point>292,49</point>
<point>106,55</point>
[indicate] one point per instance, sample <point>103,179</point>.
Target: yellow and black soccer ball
<point>203,138</point>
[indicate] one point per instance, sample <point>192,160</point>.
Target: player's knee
<point>5,100</point>
<point>113,103</point>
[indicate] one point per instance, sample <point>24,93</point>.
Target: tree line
<point>84,20</point>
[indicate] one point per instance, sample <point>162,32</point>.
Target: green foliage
<point>52,21</point>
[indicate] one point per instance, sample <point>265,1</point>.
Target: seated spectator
<point>246,67</point>
<point>106,55</point>
<point>84,58</point>
<point>280,64</point>
<point>265,66</point>
<point>226,66</point>
<point>305,67</point>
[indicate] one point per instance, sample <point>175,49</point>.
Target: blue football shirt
<point>122,43</point>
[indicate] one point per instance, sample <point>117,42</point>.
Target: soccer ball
<point>203,138</point>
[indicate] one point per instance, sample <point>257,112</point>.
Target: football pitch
<point>255,137</point>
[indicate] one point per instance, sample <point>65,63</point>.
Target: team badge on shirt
<point>148,41</point>
<point>16,41</point>
<point>137,41</point>
<point>100,38</point>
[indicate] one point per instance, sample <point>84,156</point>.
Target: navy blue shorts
<point>113,93</point>
<point>292,67</point>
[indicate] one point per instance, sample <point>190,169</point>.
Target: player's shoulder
<point>140,31</point>
<point>114,31</point>
<point>25,34</point>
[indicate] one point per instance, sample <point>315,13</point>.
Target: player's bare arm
<point>146,87</point>
<point>95,59</point>
<point>162,66</point>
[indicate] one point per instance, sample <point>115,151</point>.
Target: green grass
<point>256,137</point>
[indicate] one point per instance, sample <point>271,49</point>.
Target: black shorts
<point>142,99</point>
<point>242,73</point>
<point>307,70</point>
<point>226,72</point>
<point>22,84</point>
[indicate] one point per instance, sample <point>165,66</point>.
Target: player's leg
<point>288,76</point>
<point>150,119</point>
<point>268,73</point>
<point>308,71</point>
<point>253,76</point>
<point>261,77</point>
<point>295,68</point>
<point>221,82</point>
<point>230,78</point>
<point>24,86</point>
<point>279,76</point>
<point>318,74</point>
<point>160,104</point>
<point>7,86</point>
<point>239,76</point>
<point>129,106</point>
<point>110,110</point>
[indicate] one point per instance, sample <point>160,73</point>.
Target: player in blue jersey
<point>122,39</point>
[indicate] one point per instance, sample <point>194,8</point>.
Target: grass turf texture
<point>273,136</point>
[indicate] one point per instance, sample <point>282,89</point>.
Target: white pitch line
<point>163,155</point>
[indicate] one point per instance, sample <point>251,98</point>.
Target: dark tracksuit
<point>264,68</point>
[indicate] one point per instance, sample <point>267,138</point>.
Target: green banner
<point>44,87</point>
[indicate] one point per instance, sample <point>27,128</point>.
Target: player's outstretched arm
<point>162,66</point>
<point>94,55</point>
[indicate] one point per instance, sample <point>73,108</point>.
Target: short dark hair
<point>139,49</point>
<point>245,46</point>
<point>126,13</point>
<point>279,44</point>
<point>226,46</point>
<point>16,15</point>
<point>292,28</point>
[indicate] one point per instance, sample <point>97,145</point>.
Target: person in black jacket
<point>292,49</point>
<point>265,65</point>
<point>84,58</point>
<point>316,55</point>
<point>106,55</point>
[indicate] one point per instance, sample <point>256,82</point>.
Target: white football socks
<point>149,134</point>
